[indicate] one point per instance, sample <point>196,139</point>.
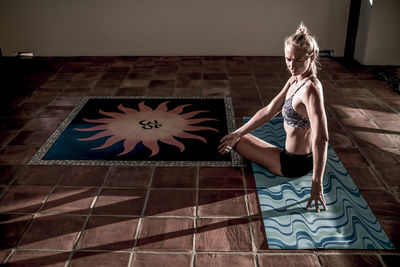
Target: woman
<point>305,123</point>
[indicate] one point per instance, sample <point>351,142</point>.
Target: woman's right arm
<point>261,117</point>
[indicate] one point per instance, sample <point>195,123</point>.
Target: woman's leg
<point>260,152</point>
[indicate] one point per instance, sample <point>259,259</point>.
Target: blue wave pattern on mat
<point>347,224</point>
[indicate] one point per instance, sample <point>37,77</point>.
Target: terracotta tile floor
<point>161,216</point>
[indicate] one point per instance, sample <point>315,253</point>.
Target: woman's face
<point>296,59</point>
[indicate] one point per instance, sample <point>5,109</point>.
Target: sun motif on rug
<point>147,126</point>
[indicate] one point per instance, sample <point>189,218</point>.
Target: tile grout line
<point>250,220</point>
<point>322,252</point>
<point>376,125</point>
<point>202,80</point>
<point>317,254</point>
<point>379,256</point>
<point>35,215</point>
<point>9,256</point>
<point>9,185</point>
<point>196,205</point>
<point>139,226</point>
<point>228,81</point>
<point>138,216</point>
<point>78,237</point>
<point>257,88</point>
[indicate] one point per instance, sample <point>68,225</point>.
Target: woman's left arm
<point>314,101</point>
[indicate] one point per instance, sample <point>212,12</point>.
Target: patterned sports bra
<point>293,118</point>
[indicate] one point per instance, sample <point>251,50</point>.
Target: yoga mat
<point>142,131</point>
<point>347,224</point>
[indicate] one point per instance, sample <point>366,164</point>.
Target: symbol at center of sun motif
<point>147,126</point>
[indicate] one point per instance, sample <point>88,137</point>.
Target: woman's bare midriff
<point>298,141</point>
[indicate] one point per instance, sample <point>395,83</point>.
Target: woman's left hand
<point>228,142</point>
<point>317,195</point>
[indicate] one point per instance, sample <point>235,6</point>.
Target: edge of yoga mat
<point>347,224</point>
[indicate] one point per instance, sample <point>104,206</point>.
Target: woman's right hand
<point>228,142</point>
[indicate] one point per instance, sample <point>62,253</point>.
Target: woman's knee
<point>260,152</point>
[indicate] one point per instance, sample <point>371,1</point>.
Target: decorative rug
<point>140,131</point>
<point>347,224</point>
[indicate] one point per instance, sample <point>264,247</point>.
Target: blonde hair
<point>302,39</point>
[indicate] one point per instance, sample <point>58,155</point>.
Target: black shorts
<point>294,166</point>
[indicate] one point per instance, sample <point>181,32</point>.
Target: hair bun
<point>302,29</point>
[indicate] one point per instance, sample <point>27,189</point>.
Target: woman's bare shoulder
<point>313,92</point>
<point>289,83</point>
<point>313,86</point>
<point>291,80</point>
